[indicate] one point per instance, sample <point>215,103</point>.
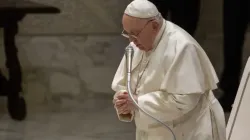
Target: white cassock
<point>174,83</point>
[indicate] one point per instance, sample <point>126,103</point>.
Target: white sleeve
<point>166,106</point>
<point>119,80</point>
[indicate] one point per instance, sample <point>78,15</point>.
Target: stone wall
<point>73,67</point>
<point>74,54</point>
<point>71,55</point>
<point>77,17</point>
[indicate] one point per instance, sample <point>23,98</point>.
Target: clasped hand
<point>123,103</point>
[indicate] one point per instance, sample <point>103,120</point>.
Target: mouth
<point>141,48</point>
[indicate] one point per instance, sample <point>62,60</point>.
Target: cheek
<point>146,41</point>
<point>137,42</point>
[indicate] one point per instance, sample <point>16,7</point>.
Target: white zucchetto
<point>141,9</point>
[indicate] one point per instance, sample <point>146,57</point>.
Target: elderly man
<point>172,79</point>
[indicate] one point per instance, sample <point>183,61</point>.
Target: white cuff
<point>125,117</point>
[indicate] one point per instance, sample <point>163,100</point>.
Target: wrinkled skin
<point>144,29</point>
<point>123,102</point>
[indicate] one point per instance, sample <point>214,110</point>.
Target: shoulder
<point>180,40</point>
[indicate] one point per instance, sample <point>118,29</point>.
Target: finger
<point>122,92</point>
<point>119,102</point>
<point>119,105</point>
<point>118,94</point>
<point>123,111</point>
<point>124,96</point>
<point>127,111</point>
<point>122,106</point>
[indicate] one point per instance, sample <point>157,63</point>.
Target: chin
<point>140,47</point>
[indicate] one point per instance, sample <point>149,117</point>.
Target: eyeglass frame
<point>138,34</point>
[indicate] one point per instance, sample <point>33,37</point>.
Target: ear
<point>155,25</point>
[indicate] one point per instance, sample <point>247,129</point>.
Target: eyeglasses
<point>134,37</point>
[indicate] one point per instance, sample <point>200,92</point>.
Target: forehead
<point>130,23</point>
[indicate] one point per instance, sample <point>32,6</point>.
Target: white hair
<point>158,18</point>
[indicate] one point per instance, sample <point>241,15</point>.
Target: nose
<point>131,39</point>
